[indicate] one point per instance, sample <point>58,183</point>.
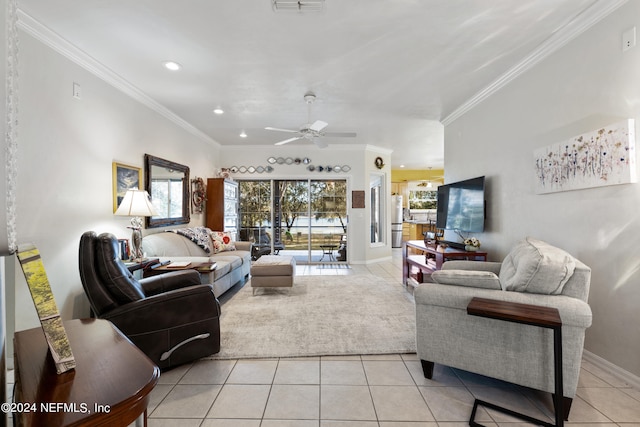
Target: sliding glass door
<point>306,219</point>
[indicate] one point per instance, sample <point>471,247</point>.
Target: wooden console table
<point>110,385</point>
<point>534,315</point>
<point>431,259</point>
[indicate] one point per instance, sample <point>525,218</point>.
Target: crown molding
<point>582,22</point>
<point>45,35</point>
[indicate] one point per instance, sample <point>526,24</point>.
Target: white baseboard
<point>610,368</point>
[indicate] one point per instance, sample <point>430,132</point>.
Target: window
<point>423,199</point>
<point>376,188</point>
<point>166,194</point>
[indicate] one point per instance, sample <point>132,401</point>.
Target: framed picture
<point>45,303</point>
<point>125,177</point>
<point>605,156</point>
<point>357,199</point>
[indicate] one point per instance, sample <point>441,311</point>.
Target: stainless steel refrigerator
<point>396,221</point>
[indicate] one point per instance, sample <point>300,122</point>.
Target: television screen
<point>461,205</point>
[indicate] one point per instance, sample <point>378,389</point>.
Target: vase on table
<point>471,248</point>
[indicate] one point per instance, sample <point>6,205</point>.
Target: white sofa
<point>233,266</point>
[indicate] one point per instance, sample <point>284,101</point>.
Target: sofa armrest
<point>493,267</point>
<point>166,282</point>
<point>167,310</point>
<point>470,278</point>
<point>243,246</point>
<point>573,312</point>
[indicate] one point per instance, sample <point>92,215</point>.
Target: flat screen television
<point>461,206</point>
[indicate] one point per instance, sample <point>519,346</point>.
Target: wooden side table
<point>110,385</point>
<point>200,267</point>
<point>432,258</point>
<point>534,315</point>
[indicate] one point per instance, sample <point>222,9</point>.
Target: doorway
<point>305,219</point>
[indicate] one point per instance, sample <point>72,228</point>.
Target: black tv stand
<point>455,245</point>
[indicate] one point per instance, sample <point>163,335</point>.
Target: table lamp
<point>136,203</point>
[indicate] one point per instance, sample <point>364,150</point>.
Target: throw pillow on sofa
<point>536,267</point>
<point>221,241</point>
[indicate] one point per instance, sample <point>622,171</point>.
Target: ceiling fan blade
<point>286,141</point>
<point>281,130</point>
<point>320,143</point>
<point>318,125</point>
<point>341,134</point>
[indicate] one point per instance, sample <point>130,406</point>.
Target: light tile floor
<point>366,391</point>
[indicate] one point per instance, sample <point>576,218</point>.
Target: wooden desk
<point>534,315</point>
<point>430,259</point>
<point>110,385</point>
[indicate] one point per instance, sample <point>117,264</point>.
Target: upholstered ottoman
<point>271,271</point>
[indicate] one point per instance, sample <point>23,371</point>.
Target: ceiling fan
<point>433,182</point>
<point>311,131</point>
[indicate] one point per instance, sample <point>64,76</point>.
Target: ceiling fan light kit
<point>297,6</point>
<point>311,131</point>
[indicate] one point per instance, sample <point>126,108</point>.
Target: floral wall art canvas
<point>601,157</point>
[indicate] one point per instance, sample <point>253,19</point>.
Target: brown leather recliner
<point>171,317</point>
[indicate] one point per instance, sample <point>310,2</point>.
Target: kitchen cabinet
<point>416,230</point>
<point>401,189</point>
<point>395,188</point>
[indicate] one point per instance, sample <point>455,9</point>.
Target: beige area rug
<point>320,315</point>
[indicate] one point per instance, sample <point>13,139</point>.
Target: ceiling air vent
<point>297,6</point>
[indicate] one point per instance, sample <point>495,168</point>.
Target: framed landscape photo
<point>125,177</point>
<point>45,303</point>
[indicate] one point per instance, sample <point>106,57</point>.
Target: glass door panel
<point>256,216</point>
<point>306,219</point>
<point>293,204</point>
<point>329,224</point>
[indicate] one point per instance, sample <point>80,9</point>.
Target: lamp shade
<point>136,203</point>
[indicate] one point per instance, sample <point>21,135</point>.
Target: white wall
<point>587,84</point>
<point>66,149</point>
<point>358,158</point>
<point>3,218</point>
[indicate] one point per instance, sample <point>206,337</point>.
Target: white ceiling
<point>390,70</point>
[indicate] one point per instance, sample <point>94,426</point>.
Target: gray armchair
<point>171,317</point>
<point>535,273</point>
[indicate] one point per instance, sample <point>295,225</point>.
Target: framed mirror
<point>167,183</point>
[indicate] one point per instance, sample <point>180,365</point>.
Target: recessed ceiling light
<point>243,134</point>
<point>170,65</point>
<point>218,111</point>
